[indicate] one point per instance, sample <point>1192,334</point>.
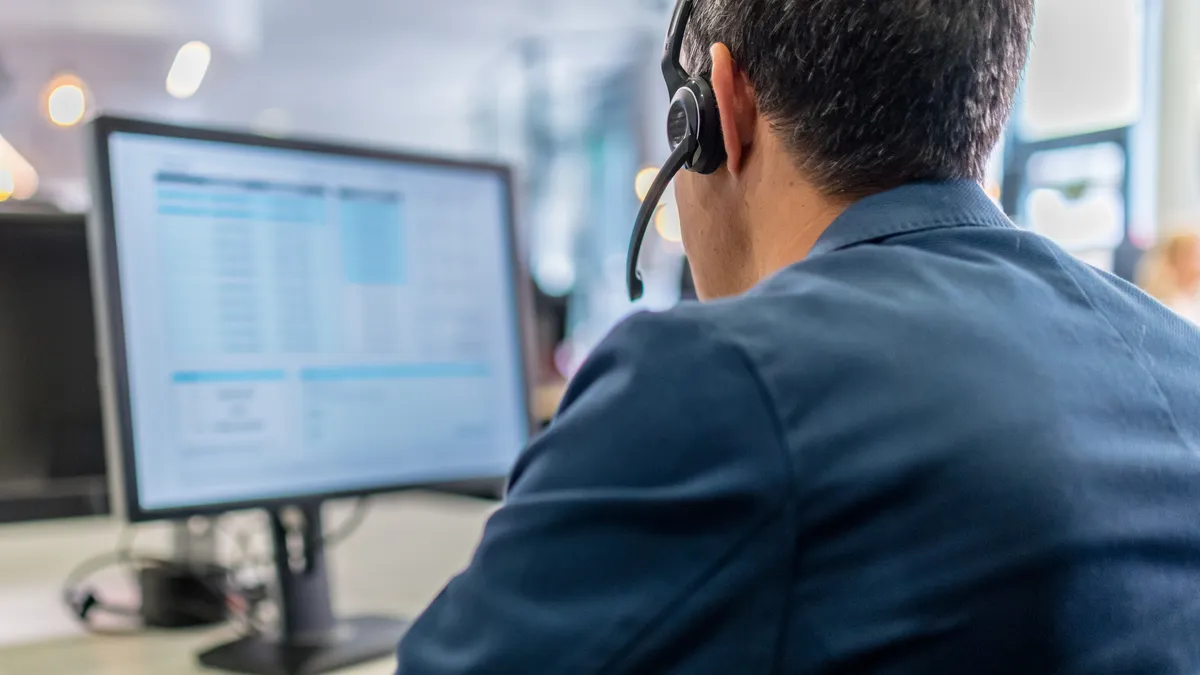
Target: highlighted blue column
<point>372,233</point>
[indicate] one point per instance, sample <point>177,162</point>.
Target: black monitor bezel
<point>102,243</point>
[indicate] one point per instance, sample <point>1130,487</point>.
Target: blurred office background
<point>1102,155</point>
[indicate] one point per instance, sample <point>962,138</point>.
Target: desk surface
<point>406,550</point>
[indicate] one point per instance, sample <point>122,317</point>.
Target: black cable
<point>252,595</point>
<point>331,538</point>
<point>82,600</point>
<point>242,599</point>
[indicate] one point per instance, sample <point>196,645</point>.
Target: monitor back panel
<point>51,440</point>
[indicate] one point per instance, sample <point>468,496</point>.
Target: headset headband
<point>672,59</point>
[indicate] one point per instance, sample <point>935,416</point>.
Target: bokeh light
<point>188,70</point>
<point>7,185</point>
<point>644,181</point>
<point>66,100</point>
<point>666,222</point>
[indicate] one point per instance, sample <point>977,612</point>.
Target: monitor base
<point>355,641</point>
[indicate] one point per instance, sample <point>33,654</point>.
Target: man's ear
<point>735,100</point>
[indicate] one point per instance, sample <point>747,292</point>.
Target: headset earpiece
<point>707,129</point>
<point>694,119</point>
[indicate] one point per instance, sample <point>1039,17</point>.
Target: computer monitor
<point>285,322</point>
<point>51,440</point>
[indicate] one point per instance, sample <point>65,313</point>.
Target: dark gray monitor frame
<point>110,317</point>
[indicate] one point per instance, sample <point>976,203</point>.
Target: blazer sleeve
<point>655,501</point>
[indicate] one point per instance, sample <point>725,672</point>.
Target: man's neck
<point>789,217</point>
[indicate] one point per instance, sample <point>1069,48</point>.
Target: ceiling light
<point>188,70</point>
<point>66,100</point>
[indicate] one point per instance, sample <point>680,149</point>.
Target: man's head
<point>827,101</point>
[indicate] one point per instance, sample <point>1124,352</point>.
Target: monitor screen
<point>306,321</point>
<point>51,438</point>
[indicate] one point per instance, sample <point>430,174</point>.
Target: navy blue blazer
<point>939,444</point>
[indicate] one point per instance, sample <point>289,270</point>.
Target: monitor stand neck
<point>311,639</point>
<point>306,613</point>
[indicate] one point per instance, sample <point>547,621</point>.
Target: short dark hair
<point>872,94</point>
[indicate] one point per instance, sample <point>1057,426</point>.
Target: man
<point>905,437</point>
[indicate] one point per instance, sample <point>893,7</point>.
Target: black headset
<point>693,132</point>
